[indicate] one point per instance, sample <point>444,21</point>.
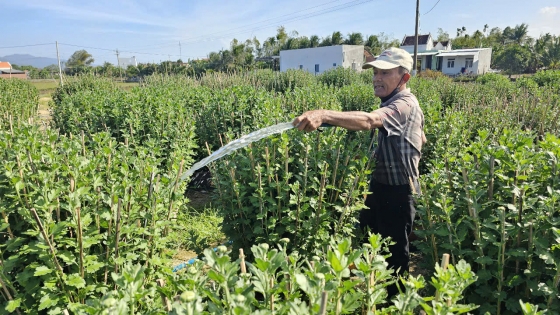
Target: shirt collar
<point>396,96</point>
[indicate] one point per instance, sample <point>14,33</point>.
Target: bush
<point>493,78</point>
<point>547,77</point>
<point>431,74</point>
<point>19,99</point>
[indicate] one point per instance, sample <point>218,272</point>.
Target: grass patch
<point>197,230</point>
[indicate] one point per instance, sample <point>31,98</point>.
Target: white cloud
<point>549,11</point>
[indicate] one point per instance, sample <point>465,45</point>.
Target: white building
<point>125,62</point>
<point>467,61</point>
<point>320,59</point>
<point>439,56</point>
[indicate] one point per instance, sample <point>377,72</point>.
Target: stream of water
<point>237,144</point>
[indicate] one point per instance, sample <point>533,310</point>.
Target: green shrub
<point>493,78</point>
<point>547,77</point>
<point>18,99</point>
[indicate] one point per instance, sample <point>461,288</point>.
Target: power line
<point>7,47</point>
<point>246,29</point>
<point>432,7</point>
<point>244,26</point>
<point>297,18</point>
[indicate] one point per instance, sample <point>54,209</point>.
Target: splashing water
<point>237,144</point>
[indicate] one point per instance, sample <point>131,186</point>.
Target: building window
<point>450,63</point>
<point>468,63</point>
<point>334,64</point>
<point>316,67</point>
<point>300,67</point>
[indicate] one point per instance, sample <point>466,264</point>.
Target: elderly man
<point>400,122</point>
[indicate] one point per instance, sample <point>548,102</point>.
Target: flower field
<point>91,205</point>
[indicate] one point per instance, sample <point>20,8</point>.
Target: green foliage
<point>18,99</point>
<point>547,78</point>
<point>153,116</point>
<point>491,203</point>
<point>282,283</point>
<point>492,78</point>
<point>98,206</point>
<point>513,59</point>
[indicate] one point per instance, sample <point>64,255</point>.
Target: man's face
<point>385,81</point>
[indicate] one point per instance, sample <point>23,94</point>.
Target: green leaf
<point>47,301</point>
<point>13,304</point>
<point>42,270</point>
<point>76,281</point>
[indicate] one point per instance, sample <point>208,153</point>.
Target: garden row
<point>303,187</point>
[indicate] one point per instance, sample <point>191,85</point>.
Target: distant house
<point>425,43</point>
<point>7,72</point>
<point>440,56</point>
<point>467,61</point>
<point>443,45</point>
<point>125,62</point>
<point>320,59</point>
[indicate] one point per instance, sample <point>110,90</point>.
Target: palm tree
<point>372,45</point>
<point>519,33</point>
<point>337,38</point>
<point>80,58</point>
<point>314,41</point>
<point>354,39</point>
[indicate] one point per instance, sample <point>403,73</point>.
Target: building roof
<point>427,53</point>
<point>5,65</point>
<point>409,40</point>
<point>13,71</point>
<point>443,43</point>
<point>461,52</point>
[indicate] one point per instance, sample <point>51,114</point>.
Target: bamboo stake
<point>242,257</point>
<point>80,241</point>
<point>83,144</point>
<point>166,301</point>
<point>109,226</point>
<point>491,184</point>
<point>42,229</point>
<point>8,295</point>
<point>117,232</point>
<point>473,214</point>
<point>272,295</point>
<point>323,308</point>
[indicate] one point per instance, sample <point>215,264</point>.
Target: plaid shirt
<point>403,123</point>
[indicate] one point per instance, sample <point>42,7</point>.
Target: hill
<point>29,60</point>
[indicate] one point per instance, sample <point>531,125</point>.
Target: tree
<point>337,38</point>
<point>355,38</point>
<point>314,41</point>
<point>441,35</point>
<point>80,58</point>
<point>519,33</point>
<point>513,59</point>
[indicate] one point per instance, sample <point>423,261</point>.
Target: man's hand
<point>309,121</point>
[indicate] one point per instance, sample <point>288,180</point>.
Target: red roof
<point>5,65</point>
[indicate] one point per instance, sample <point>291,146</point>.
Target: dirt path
<point>43,112</point>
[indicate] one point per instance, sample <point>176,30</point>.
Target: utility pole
<point>118,64</point>
<point>59,67</point>
<point>180,54</point>
<point>416,39</point>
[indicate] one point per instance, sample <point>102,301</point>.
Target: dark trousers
<point>391,213</point>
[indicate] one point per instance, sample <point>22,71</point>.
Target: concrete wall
<point>484,60</point>
<point>353,57</point>
<point>459,63</point>
<point>14,76</point>
<point>410,48</point>
<point>327,58</point>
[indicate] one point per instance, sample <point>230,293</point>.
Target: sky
<point>190,29</point>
